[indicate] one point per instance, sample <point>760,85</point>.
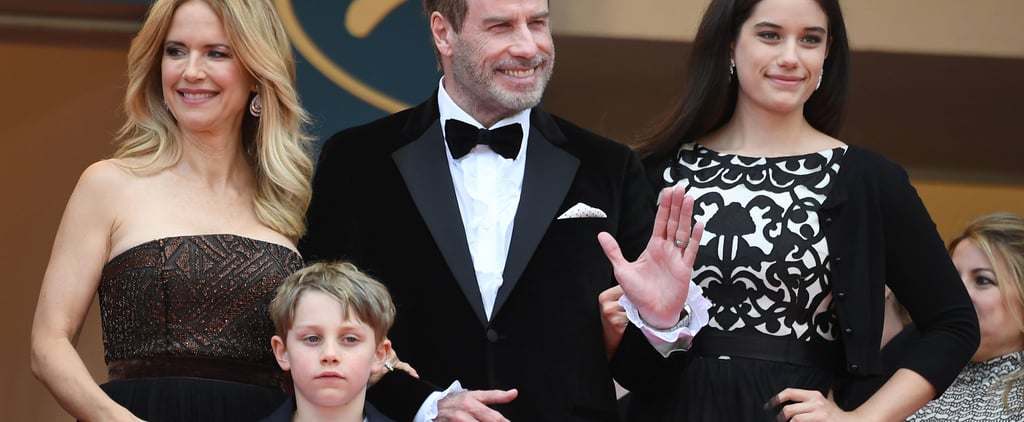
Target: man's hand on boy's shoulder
<point>391,364</point>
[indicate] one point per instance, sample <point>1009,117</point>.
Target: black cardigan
<point>879,233</point>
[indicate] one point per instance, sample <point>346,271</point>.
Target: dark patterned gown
<point>764,264</point>
<point>186,331</point>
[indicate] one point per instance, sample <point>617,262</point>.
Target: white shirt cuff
<point>679,337</point>
<point>428,410</point>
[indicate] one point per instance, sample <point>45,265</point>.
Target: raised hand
<point>659,280</point>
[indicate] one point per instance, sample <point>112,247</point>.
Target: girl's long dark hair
<point>710,93</point>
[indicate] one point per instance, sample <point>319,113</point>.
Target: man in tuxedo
<point>481,214</point>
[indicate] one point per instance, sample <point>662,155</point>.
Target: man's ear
<point>442,32</point>
<point>280,352</point>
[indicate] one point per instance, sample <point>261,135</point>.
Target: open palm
<point>659,280</point>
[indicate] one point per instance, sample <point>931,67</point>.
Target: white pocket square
<point>581,210</point>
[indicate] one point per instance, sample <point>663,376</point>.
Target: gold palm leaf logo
<point>364,15</point>
<point>361,18</point>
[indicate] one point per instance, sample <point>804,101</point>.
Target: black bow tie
<point>462,137</point>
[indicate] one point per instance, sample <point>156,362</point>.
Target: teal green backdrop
<point>359,60</point>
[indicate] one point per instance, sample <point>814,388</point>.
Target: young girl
<point>802,232</point>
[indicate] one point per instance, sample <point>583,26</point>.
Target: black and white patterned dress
<point>977,394</point>
<point>764,264</point>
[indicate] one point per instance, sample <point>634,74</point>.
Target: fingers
<point>661,217</point>
<point>377,372</point>
<point>613,319</point>
<point>611,295</point>
<point>698,232</point>
<point>391,363</point>
<point>611,249</point>
<point>798,404</point>
<point>690,251</point>
<point>794,395</point>
<point>472,406</point>
<point>672,225</point>
<point>495,396</point>
<point>612,313</point>
<point>407,368</point>
<point>483,414</point>
<point>391,360</point>
<point>672,222</point>
<point>683,216</point>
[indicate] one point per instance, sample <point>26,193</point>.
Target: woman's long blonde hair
<point>1000,236</point>
<point>275,144</point>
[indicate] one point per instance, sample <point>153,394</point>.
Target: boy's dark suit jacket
<point>383,198</point>
<point>287,410</point>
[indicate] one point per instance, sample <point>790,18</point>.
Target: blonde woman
<point>990,258</point>
<point>188,230</point>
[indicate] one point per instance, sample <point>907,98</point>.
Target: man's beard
<point>481,85</point>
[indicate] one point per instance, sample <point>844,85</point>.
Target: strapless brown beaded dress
<point>186,332</point>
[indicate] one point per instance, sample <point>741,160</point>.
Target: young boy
<point>331,324</point>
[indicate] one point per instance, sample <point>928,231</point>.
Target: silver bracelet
<point>684,321</point>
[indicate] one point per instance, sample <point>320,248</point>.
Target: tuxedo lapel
<point>548,175</point>
<point>424,167</point>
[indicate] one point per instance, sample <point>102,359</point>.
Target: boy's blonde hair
<point>359,294</point>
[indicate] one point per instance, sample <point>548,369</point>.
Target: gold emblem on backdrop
<point>361,18</point>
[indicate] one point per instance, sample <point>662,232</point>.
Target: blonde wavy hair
<point>276,144</point>
<point>1000,236</point>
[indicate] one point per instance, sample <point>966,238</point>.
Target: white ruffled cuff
<point>428,411</point>
<point>680,336</point>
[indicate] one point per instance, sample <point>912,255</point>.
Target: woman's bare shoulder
<point>111,173</point>
<point>103,175</point>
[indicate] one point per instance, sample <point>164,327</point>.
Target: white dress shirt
<point>487,187</point>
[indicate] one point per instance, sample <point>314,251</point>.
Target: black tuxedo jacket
<point>383,198</point>
<point>287,410</point>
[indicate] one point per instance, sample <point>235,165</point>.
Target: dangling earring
<point>732,67</point>
<point>819,79</point>
<point>256,106</point>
